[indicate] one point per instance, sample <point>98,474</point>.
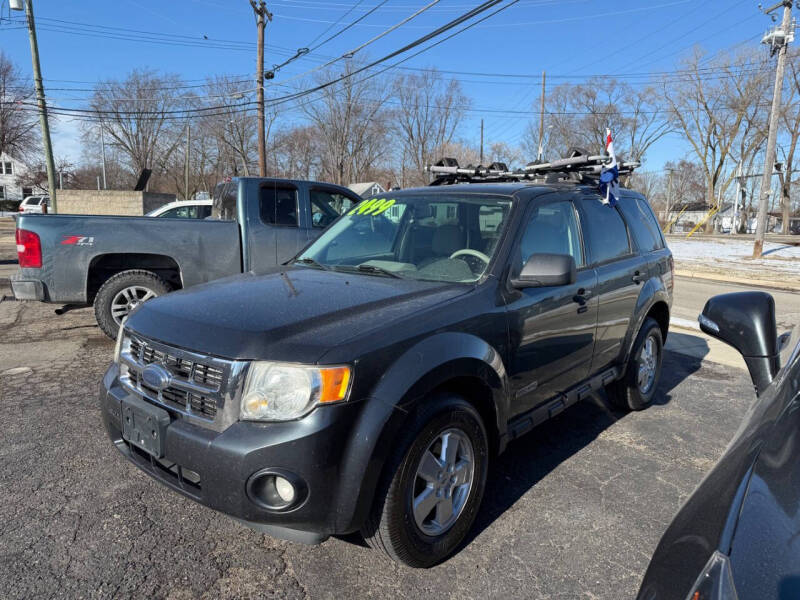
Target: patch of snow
<point>736,256</point>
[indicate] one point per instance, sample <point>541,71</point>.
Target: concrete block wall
<point>110,202</point>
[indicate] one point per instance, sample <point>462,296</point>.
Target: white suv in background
<point>35,204</point>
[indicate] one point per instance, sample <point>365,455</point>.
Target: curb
<point>778,285</point>
<point>684,324</point>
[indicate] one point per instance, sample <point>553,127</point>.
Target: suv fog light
<point>276,489</point>
<point>285,489</point>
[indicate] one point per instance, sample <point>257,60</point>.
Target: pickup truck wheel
<point>123,292</point>
<point>432,488</point>
<point>637,388</point>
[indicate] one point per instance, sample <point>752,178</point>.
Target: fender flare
<point>652,293</point>
<point>420,369</point>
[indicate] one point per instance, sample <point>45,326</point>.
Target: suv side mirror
<point>746,321</point>
<point>543,270</point>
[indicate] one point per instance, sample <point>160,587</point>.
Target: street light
<point>40,100</point>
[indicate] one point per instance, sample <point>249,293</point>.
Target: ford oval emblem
<point>156,377</point>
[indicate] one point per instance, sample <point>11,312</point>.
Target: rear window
<point>642,222</point>
<point>278,205</point>
<point>224,207</point>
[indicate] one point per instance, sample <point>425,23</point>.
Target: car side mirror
<point>543,270</point>
<point>746,321</point>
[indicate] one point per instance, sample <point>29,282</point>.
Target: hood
<point>293,315</point>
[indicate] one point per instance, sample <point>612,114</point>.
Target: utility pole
<point>262,15</point>
<point>40,100</point>
<point>103,147</point>
<point>186,162</point>
<point>541,123</point>
<point>779,39</point>
<point>670,171</point>
<point>481,141</point>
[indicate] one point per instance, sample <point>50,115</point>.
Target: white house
<point>367,189</point>
<point>10,170</point>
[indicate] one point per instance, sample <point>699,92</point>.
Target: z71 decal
<point>77,240</point>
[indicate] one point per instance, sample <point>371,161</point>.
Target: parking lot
<point>574,509</point>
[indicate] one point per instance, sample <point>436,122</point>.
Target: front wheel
<point>637,388</point>
<point>429,497</point>
<point>123,292</point>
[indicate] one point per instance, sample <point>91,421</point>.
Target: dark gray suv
<point>364,386</point>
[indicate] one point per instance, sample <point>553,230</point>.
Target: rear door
<point>274,232</point>
<point>552,329</point>
<point>620,274</point>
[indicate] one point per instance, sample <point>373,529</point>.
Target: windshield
<point>441,237</point>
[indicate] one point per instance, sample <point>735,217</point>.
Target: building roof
<point>365,187</point>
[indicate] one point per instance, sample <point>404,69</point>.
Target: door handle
<point>637,278</point>
<point>581,296</point>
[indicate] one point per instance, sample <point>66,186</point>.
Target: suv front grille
<point>198,384</point>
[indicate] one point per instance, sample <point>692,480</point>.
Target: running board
<point>525,422</point>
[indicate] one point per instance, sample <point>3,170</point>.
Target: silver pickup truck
<point>115,263</point>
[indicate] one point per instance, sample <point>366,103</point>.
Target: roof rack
<point>577,168</point>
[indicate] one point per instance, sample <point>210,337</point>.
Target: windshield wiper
<point>365,268</point>
<point>312,263</point>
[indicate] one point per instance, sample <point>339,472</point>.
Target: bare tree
<point>577,116</point>
<point>19,133</point>
<point>712,113</point>
<point>352,125</point>
<point>790,116</point>
<point>510,155</point>
<point>137,117</point>
<point>296,152</point>
<point>429,114</point>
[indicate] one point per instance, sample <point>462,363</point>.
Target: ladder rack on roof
<point>578,168</point>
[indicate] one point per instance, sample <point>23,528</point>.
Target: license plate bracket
<point>144,425</point>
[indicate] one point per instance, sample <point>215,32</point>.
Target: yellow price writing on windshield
<point>372,207</point>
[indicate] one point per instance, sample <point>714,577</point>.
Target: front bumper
<point>213,468</point>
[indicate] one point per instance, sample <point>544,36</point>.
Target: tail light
<point>29,249</point>
<point>21,208</point>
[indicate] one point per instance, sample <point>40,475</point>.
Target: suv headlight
<point>281,392</point>
<point>715,581</point>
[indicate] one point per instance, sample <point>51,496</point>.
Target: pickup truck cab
<point>365,386</point>
<point>115,263</point>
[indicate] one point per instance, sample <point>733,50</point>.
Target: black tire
<point>391,526</point>
<point>114,285</point>
<point>627,393</point>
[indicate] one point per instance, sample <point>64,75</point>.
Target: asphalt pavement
<point>572,510</point>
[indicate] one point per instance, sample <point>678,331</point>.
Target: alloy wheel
<point>443,482</point>
<point>127,299</point>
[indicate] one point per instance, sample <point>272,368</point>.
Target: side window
<point>604,231</point>
<point>326,206</point>
<point>171,213</point>
<point>181,212</point>
<point>9,170</point>
<point>225,201</point>
<point>278,205</point>
<point>26,191</point>
<point>2,192</point>
<point>647,237</point>
<point>551,229</point>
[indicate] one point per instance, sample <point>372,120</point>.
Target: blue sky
<point>570,39</point>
